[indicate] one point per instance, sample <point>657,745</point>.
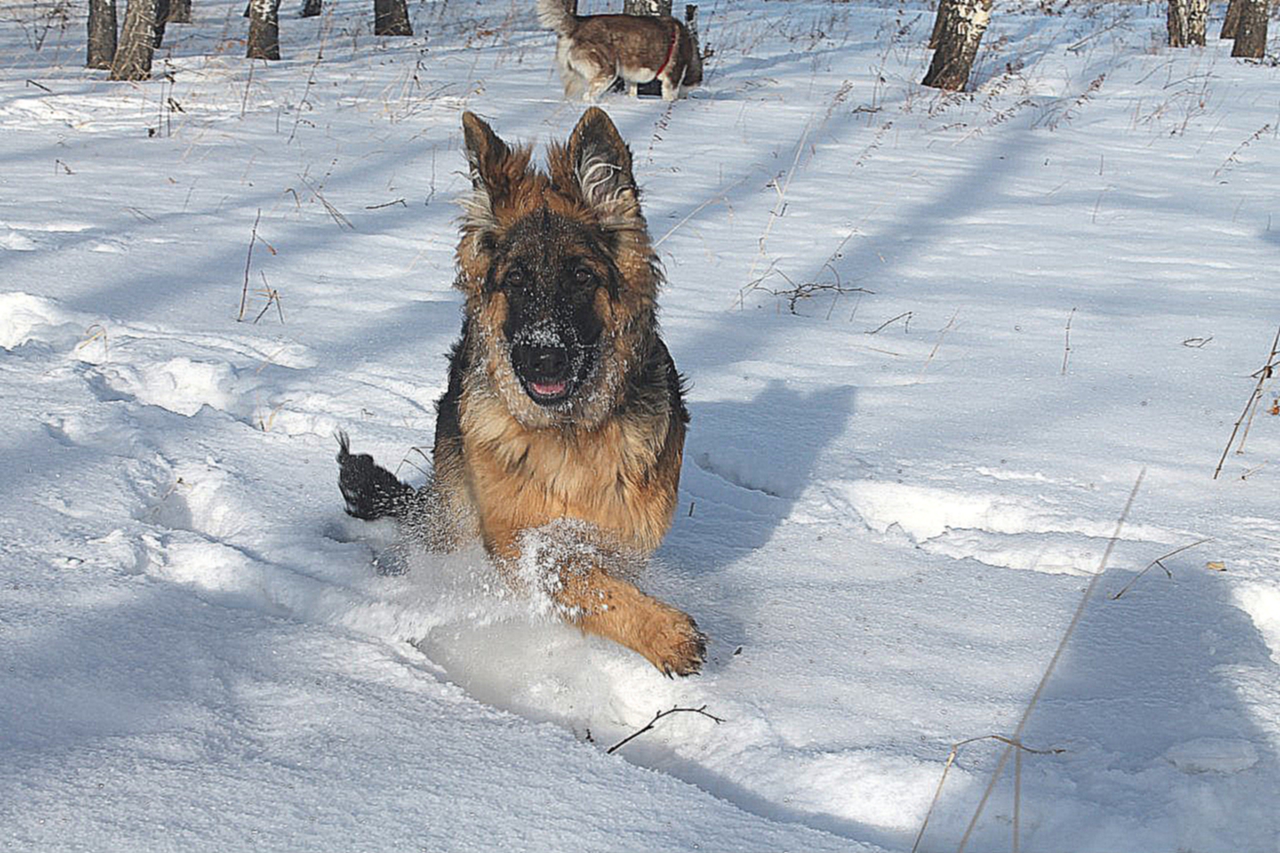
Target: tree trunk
<point>940,23</point>
<point>179,12</point>
<point>162,18</point>
<point>1251,34</point>
<point>965,22</point>
<point>310,8</point>
<point>102,34</point>
<point>137,42</point>
<point>264,30</point>
<point>1187,19</point>
<point>694,73</point>
<point>655,8</point>
<point>391,18</point>
<point>1232,22</point>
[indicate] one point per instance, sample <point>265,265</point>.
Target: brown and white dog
<point>594,50</point>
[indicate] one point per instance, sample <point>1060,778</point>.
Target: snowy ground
<point>892,501</point>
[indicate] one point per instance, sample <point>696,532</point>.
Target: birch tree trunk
<point>655,8</point>
<point>391,18</point>
<point>961,24</point>
<point>1187,20</point>
<point>102,34</point>
<point>1251,33</point>
<point>264,30</point>
<point>137,42</point>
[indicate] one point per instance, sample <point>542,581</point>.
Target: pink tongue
<point>548,390</point>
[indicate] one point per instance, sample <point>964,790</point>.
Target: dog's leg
<point>597,88</point>
<point>588,594</point>
<point>633,89</point>
<point>615,609</point>
<point>670,89</point>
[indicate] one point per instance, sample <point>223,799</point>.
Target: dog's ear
<point>495,169</point>
<point>601,165</point>
<point>485,151</point>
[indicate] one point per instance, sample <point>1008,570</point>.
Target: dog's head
<point>558,272</point>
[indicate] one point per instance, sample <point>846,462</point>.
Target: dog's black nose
<point>541,362</point>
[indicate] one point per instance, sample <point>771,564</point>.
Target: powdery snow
<point>893,500</point>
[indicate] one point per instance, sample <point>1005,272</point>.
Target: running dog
<point>560,436</point>
<point>594,50</point>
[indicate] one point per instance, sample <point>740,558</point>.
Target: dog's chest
<point>610,476</point>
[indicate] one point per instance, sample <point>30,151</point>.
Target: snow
<point>892,503</point>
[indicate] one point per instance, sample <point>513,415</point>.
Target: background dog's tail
<point>555,15</point>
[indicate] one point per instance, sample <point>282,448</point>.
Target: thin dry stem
<point>951,759</point>
<point>1066,352</point>
<point>938,344</point>
<point>244,294</point>
<point>1263,375</point>
<point>1053,663</point>
<point>1158,562</point>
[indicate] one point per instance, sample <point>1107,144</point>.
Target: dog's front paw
<point>370,491</point>
<point>677,647</point>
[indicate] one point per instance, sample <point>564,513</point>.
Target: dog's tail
<point>555,15</point>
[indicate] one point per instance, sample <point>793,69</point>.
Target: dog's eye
<point>584,275</point>
<point>514,279</point>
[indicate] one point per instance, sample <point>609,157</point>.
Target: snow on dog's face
<point>558,273</point>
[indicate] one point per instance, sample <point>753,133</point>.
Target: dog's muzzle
<point>546,371</point>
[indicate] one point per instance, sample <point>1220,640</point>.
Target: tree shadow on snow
<point>1150,705</point>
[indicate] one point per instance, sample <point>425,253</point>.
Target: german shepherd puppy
<point>593,50</point>
<point>560,436</point>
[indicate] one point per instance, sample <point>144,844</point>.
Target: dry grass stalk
<point>272,295</point>
<point>779,208</point>
<point>1066,352</point>
<point>244,293</point>
<point>1158,562</point>
<point>1263,375</point>
<point>1016,738</point>
<point>906,325</point>
<point>951,759</point>
<point>938,344</point>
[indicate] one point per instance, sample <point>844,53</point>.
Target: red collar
<point>671,50</point>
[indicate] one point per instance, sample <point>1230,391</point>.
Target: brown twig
<point>272,295</point>
<point>1053,663</point>
<point>244,294</point>
<point>1066,352</point>
<point>659,716</point>
<point>906,314</point>
<point>938,344</point>
<point>336,214</point>
<point>951,759</point>
<point>1157,562</point>
<point>1263,375</point>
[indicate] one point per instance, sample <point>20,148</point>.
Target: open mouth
<point>548,392</point>
<point>550,373</point>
